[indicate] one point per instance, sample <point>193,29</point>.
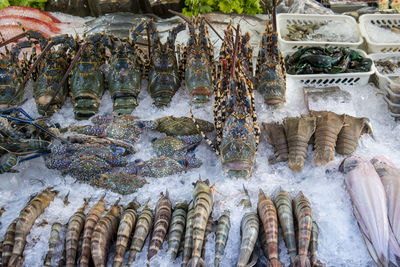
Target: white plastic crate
<point>324,80</point>
<point>284,20</point>
<point>379,19</point>
<point>383,82</point>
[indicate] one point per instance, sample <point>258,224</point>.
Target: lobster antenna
<point>12,39</point>
<point>181,16</point>
<point>212,28</point>
<point>26,78</point>
<point>235,50</point>
<point>274,15</point>
<point>78,54</point>
<point>148,41</point>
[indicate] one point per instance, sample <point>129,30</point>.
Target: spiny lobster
<point>164,76</point>
<point>12,71</point>
<point>235,116</point>
<point>197,61</point>
<point>271,70</point>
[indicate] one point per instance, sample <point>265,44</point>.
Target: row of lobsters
<point>100,61</point>
<point>296,222</point>
<point>373,186</point>
<point>332,132</point>
<point>90,233</point>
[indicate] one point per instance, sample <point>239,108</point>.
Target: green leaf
<point>4,3</point>
<point>29,3</point>
<point>205,9</point>
<point>225,7</point>
<point>187,13</point>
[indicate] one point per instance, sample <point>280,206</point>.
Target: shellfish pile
<point>331,132</point>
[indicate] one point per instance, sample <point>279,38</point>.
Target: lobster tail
<point>349,135</point>
<point>298,132</point>
<point>328,127</point>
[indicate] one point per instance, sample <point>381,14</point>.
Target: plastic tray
<point>394,108</point>
<point>284,20</point>
<point>323,80</point>
<point>379,19</point>
<point>382,80</point>
<point>394,98</point>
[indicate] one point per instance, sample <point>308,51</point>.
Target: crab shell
<point>121,183</point>
<point>182,126</point>
<point>161,166</point>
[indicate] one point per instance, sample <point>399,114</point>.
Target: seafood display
<point>271,71</point>
<point>90,235</point>
<point>77,121</point>
<point>313,60</point>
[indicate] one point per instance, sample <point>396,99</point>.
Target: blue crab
<point>162,166</point>
<point>86,161</point>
